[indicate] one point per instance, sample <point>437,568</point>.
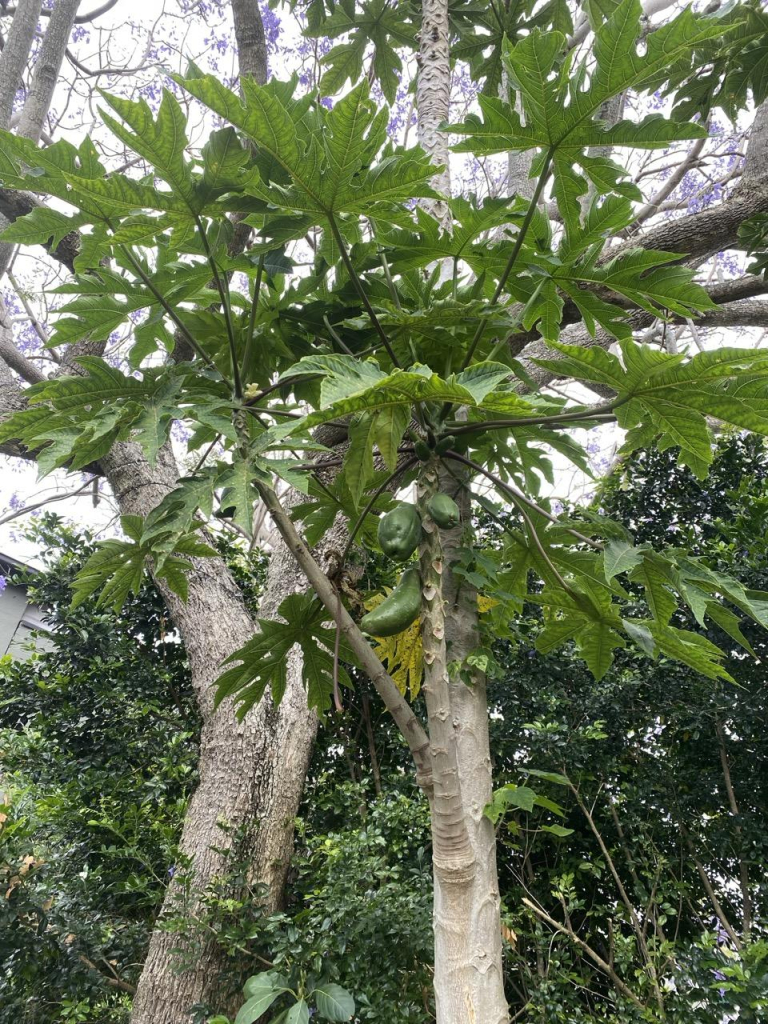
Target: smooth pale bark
<point>433,98</point>
<point>468,977</point>
<point>47,67</point>
<point>468,973</point>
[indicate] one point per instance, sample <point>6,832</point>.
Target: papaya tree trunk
<point>468,964</point>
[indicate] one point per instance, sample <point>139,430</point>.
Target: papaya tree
<point>378,337</point>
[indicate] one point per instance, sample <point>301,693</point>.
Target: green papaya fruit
<point>422,450</point>
<point>445,444</point>
<point>400,532</point>
<point>444,511</point>
<point>398,610</point>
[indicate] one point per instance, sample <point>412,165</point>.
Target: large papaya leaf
<point>263,661</point>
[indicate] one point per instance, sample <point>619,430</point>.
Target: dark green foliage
<point>645,739</point>
<point>99,754</point>
<point>643,748</point>
<point>361,898</point>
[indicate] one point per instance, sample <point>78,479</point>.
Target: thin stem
<point>203,459</point>
<point>167,307</point>
<point>606,967</point>
<point>335,335</point>
<point>709,889</point>
<point>519,496</point>
<point>360,290</point>
<point>602,412</point>
<point>390,282</point>
<point>502,342</point>
<point>254,304</point>
<point>403,715</point>
<point>746,899</point>
<point>223,290</point>
<point>634,920</point>
<point>336,645</point>
<point>46,501</point>
<point>542,550</point>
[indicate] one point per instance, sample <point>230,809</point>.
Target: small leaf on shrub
<point>559,780</point>
<point>253,1009</point>
<point>298,1013</point>
<point>334,1003</point>
<point>557,830</point>
<point>258,984</point>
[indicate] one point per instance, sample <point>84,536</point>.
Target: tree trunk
<point>433,99</point>
<point>251,41</point>
<point>251,772</point>
<point>47,67</point>
<point>468,974</point>
<point>16,54</point>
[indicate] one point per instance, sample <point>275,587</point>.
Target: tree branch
<point>47,67</point>
<point>15,55</point>
<point>595,957</point>
<point>398,707</point>
<point>251,42</point>
<point>746,899</point>
<point>81,19</point>
<point>15,204</point>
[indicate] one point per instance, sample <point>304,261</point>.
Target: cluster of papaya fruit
<point>399,533</point>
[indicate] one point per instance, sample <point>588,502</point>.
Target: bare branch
<point>669,186</point>
<point>81,19</point>
<point>595,957</point>
<point>46,501</point>
<point>745,313</point>
<point>11,355</point>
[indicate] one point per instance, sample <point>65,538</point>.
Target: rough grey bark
<point>47,67</point>
<point>251,42</point>
<point>518,161</point>
<point>756,163</point>
<point>15,204</point>
<point>13,60</point>
<point>251,772</point>
<point>15,55</point>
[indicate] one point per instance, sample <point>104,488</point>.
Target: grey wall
<point>17,620</point>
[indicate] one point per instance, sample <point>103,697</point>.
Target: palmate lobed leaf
<point>667,397</point>
<point>116,568</point>
<point>560,116</point>
<point>263,660</point>
<point>329,163</point>
<point>319,162</point>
